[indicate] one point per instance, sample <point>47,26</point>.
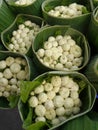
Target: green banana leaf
<point>7,33</point>
<point>32,9</point>
<point>59,30</point>
<point>93,30</point>
<point>12,100</point>
<point>6,16</point>
<point>86,122</point>
<point>91,71</point>
<point>80,23</point>
<point>87,95</point>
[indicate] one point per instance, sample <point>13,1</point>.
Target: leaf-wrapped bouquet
<point>75,13</point>
<point>54,98</point>
<point>31,7</point>
<point>19,36</point>
<point>14,67</point>
<point>60,47</point>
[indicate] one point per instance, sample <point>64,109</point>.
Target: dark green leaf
<point>85,122</point>
<point>92,31</point>
<point>20,20</point>
<point>6,16</point>
<point>91,71</point>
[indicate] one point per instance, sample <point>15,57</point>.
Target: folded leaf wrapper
<point>44,34</point>
<point>32,73</point>
<point>6,16</point>
<point>87,95</point>
<point>93,29</point>
<point>91,71</point>
<point>80,22</point>
<point>7,33</point>
<point>31,9</point>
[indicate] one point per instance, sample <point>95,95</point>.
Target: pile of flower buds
<point>69,11</point>
<point>23,37</point>
<point>55,99</point>
<point>12,70</point>
<point>24,2</point>
<point>61,53</point>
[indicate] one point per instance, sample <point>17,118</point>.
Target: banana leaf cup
<point>79,22</point>
<point>87,95</point>
<point>45,33</point>
<point>93,29</point>
<point>91,71</point>
<point>6,35</point>
<point>6,16</point>
<point>12,100</point>
<point>32,9</point>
